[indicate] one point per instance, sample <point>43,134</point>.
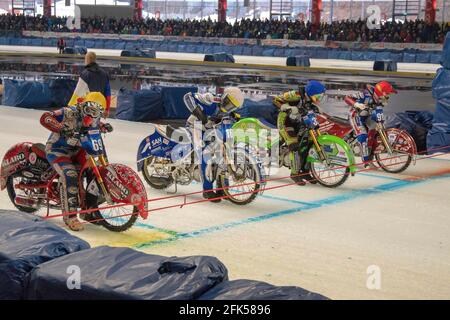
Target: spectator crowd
<point>412,31</point>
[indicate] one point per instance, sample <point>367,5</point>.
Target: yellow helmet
<point>96,97</point>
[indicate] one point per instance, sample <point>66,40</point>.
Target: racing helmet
<point>92,107</point>
<point>231,99</point>
<point>315,91</point>
<point>381,92</point>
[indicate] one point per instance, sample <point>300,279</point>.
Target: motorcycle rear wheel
<point>12,196</point>
<point>155,182</point>
<point>242,195</point>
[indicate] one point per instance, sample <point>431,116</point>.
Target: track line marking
<point>362,193</point>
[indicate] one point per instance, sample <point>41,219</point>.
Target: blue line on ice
<point>349,196</point>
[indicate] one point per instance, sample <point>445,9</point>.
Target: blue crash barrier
<point>385,65</point>
<point>416,123</point>
<point>141,53</point>
<point>172,101</point>
<point>38,95</point>
<point>126,274</point>
<point>27,241</point>
<point>406,55</point>
<point>26,94</point>
<point>299,61</point>
<point>440,87</point>
<point>409,57</point>
<point>61,91</point>
<point>140,105</point>
<point>219,57</point>
<point>439,135</point>
<point>263,109</point>
<point>257,290</point>
<point>446,52</point>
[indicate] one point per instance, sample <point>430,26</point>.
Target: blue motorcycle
<point>171,156</point>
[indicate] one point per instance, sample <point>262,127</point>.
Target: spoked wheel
<point>403,146</point>
<point>333,173</point>
<point>241,187</point>
<point>13,192</point>
<point>156,180</point>
<point>117,219</point>
<point>394,163</point>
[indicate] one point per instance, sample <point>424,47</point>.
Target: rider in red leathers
<point>360,108</point>
<point>63,146</point>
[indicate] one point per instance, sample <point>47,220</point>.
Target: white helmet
<point>232,99</point>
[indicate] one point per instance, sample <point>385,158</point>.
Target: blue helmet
<point>314,87</point>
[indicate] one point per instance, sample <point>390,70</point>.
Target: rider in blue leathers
<point>208,109</point>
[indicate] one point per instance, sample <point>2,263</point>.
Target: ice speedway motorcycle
<point>32,183</point>
<point>330,158</point>
<point>392,149</point>
<point>168,156</point>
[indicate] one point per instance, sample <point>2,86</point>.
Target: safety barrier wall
<point>439,135</point>
<point>410,55</point>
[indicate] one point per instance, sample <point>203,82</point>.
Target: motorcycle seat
<point>169,131</point>
<point>39,149</point>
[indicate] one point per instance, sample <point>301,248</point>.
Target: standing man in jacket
<point>92,79</point>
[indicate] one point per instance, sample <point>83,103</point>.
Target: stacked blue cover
<point>438,138</point>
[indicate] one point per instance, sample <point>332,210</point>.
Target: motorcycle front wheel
<point>117,219</point>
<point>242,186</point>
<point>401,157</point>
<point>335,171</point>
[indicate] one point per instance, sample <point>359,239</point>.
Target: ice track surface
<point>317,238</point>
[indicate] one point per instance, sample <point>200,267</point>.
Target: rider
<point>294,105</point>
<point>360,105</point>
<point>63,146</point>
<point>209,109</point>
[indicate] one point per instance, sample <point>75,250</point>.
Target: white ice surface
<point>405,231</point>
<point>278,61</point>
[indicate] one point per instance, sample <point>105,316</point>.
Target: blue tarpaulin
<point>259,109</point>
<point>416,123</point>
<point>219,57</point>
<point>141,53</point>
<point>446,52</point>
<point>140,105</point>
<point>25,242</point>
<point>26,94</point>
<point>127,274</point>
<point>172,101</point>
<point>257,290</point>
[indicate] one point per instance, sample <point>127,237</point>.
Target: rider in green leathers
<point>294,105</point>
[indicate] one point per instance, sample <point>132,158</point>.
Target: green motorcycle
<point>330,158</point>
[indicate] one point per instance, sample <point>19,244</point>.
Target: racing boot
<point>73,223</point>
<point>296,175</point>
<point>211,195</point>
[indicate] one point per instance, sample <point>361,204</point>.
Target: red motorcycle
<point>32,183</point>
<point>392,149</point>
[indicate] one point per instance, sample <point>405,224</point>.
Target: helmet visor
<point>91,109</point>
<point>317,98</point>
<point>229,104</point>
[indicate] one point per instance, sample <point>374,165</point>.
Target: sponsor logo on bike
<point>14,160</point>
<point>118,184</point>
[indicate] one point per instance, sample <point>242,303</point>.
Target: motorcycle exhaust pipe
<point>26,202</point>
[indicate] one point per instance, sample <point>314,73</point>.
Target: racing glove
<point>359,106</point>
<point>106,127</point>
<point>67,132</point>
